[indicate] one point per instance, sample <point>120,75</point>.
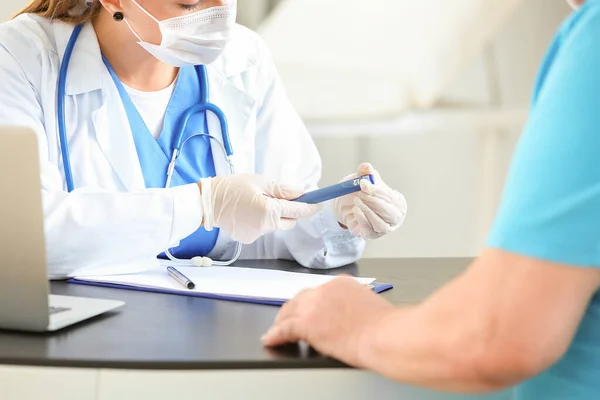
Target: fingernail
<point>271,333</point>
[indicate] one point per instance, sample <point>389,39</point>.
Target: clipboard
<point>376,287</point>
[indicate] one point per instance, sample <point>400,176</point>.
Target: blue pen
<point>334,191</point>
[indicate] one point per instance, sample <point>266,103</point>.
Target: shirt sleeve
<point>551,204</point>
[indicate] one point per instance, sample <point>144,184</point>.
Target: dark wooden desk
<point>167,332</point>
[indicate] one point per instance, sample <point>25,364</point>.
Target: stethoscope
<point>202,106</point>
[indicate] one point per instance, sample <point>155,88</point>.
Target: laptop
<point>25,301</point>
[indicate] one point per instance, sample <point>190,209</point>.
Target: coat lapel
<point>115,138</point>
<point>86,74</point>
<point>238,108</point>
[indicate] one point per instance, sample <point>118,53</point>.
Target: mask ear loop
<point>132,30</point>
<point>145,11</point>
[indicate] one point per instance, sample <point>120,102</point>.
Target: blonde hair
<point>70,11</point>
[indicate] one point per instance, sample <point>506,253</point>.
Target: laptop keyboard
<point>55,310</point>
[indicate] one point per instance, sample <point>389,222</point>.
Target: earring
<point>118,16</point>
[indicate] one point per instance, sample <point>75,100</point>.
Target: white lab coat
<point>111,223</point>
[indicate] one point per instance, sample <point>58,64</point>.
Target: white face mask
<point>194,39</point>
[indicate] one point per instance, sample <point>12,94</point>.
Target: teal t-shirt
<point>551,205</point>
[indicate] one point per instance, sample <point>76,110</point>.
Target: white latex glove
<point>373,212</point>
<point>249,206</point>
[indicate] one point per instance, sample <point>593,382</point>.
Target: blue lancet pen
<point>334,191</point>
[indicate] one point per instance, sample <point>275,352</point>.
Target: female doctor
<point>126,176</point>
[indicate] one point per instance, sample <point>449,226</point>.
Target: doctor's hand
<point>373,212</point>
<point>249,206</point>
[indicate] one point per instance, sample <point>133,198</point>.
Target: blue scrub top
<point>551,205</point>
<point>194,162</point>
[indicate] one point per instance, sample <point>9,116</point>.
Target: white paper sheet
<point>259,284</point>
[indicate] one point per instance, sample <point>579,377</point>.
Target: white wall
<point>518,49</point>
<point>440,171</point>
<point>9,7</point>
